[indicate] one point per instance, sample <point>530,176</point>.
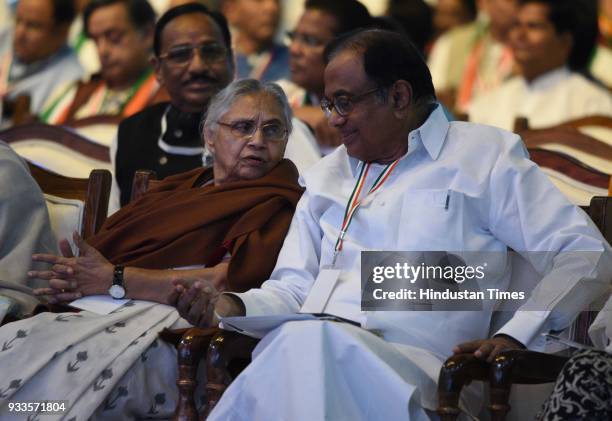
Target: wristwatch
<point>117,289</point>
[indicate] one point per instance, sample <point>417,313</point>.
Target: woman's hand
<point>72,277</point>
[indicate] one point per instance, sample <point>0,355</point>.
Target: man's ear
<point>156,64</point>
<point>400,95</point>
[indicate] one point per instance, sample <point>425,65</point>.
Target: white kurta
<point>496,198</point>
<point>550,99</point>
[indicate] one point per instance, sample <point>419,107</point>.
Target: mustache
<point>201,78</point>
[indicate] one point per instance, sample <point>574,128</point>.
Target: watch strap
<point>118,275</point>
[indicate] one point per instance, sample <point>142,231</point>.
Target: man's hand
<point>195,303</point>
<point>73,277</point>
<point>488,348</point>
<point>201,303</point>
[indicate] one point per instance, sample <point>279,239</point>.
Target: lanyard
<point>354,202</point>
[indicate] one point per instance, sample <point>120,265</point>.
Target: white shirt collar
<point>548,79</point>
<point>431,134</point>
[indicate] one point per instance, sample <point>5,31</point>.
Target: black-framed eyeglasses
<point>343,104</point>
<point>246,129</point>
<point>304,39</point>
<point>183,54</point>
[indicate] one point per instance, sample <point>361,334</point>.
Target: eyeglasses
<point>246,129</point>
<point>343,104</point>
<point>308,40</point>
<point>183,54</point>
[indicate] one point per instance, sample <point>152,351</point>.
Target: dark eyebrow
<point>273,120</point>
<point>188,45</point>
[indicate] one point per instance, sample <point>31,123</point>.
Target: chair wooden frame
<point>60,135</point>
<point>522,123</point>
<point>567,134</point>
<point>93,191</point>
<point>142,181</point>
<point>569,166</point>
<point>516,366</point>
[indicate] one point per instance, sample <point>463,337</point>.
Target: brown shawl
<point>179,224</point>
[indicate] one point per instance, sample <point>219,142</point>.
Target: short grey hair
<point>221,103</point>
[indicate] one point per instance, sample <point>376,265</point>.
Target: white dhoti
<point>320,370</point>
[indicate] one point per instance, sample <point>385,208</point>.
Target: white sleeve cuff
<point>524,326</point>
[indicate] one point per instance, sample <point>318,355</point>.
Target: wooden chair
<point>17,109</point>
<point>93,192</point>
<point>57,149</point>
<point>522,123</point>
<point>587,139</point>
<point>143,179</point>
<point>577,180</point>
<point>517,366</point>
<point>101,129</point>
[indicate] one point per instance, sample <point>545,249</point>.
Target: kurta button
<point>163,160</point>
<point>178,133</point>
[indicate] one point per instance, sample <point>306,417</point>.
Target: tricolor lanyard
<point>354,202</point>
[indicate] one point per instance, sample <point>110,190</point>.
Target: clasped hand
<point>195,302</point>
<point>73,277</point>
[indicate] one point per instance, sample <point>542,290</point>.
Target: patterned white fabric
<point>82,357</point>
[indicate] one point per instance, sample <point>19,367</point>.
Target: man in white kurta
<point>548,90</point>
<point>550,99</point>
<point>455,186</point>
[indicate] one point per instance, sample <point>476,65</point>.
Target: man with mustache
<point>123,33</point>
<point>193,61</point>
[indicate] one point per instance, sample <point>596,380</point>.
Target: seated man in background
<point>254,24</point>
<point>405,179</point>
<point>552,42</point>
<point>193,61</point>
<point>123,33</point>
<point>321,22</point>
<point>34,55</point>
<point>25,229</point>
<point>474,58</point>
<point>449,14</point>
<point>223,225</point>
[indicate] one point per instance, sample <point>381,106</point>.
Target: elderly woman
<point>222,226</point>
<point>239,208</point>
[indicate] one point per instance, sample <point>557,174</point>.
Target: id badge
<point>321,291</point>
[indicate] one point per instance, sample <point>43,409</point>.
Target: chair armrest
<point>228,354</point>
<point>519,367</point>
<point>457,371</point>
<point>190,351</point>
<point>525,367</point>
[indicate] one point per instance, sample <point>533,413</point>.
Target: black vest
<point>137,145</point>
